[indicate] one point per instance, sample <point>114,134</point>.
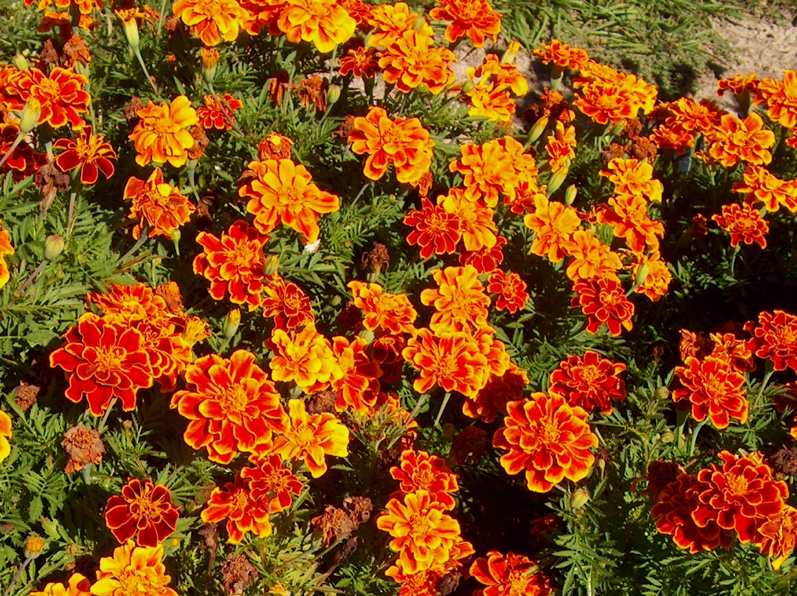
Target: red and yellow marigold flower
<point>778,536</point>
<point>6,249</point>
<point>560,147</point>
<point>311,437</point>
<point>129,303</point>
<point>633,178</point>
<point>775,338</point>
<point>477,226</point>
<point>491,95</point>
<point>358,387</point>
<point>603,300</point>
<point>496,394</point>
<point>143,510</point>
<point>234,263</point>
<point>231,404</point>
<point>628,216</point>
<point>103,361</point>
<point>740,495</point>
<point>212,20</point>
<point>283,192</point>
<point>485,260</point>
<point>738,84</point>
<point>607,95</point>
<point>554,224</point>
<point>271,480</point>
<point>732,350</point>
<point>459,300</point>
<point>78,585</point>
<point>403,142</point>
<point>303,356</point>
<point>411,60</point>
<point>562,55</point>
<point>393,313</point>
<point>359,61</point>
<point>487,171</point>
<point>509,575</point>
<point>89,152</point>
<point>218,113</point>
<point>60,95</point>
<point>744,224</point>
<point>243,511</point>
<point>286,303</point>
<point>591,258</point>
<point>418,470</point>
<point>436,231</point>
<point>161,134</point>
<point>390,21</point>
<point>156,205</point>
<point>423,534</point>
<point>762,186</point>
<point>780,97</point>
<point>684,120</point>
<point>472,18</point>
<point>546,438</point>
<point>5,435</point>
<point>714,388</point>
<point>23,161</point>
<point>657,281</point>
<point>510,289</point>
<point>325,23</point>
<point>138,566</point>
<point>736,140</point>
<point>589,381</point>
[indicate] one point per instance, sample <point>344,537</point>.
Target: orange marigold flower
<point>780,98</point>
<point>589,381</point>
<point>488,101</point>
<point>359,61</point>
<point>78,585</point>
<point>477,226</point>
<point>218,113</point>
<point>418,470</point>
<point>459,300</point>
<point>243,511</point>
<point>472,18</point>
<point>436,231</point>
<point>358,10</point>
<point>358,386</point>
<point>128,303</point>
<point>411,60</point>
<point>738,84</point>
<point>89,152</point>
<point>231,404</point>
<point>633,178</point>
<point>390,21</point>
<point>736,140</point>
<point>548,439</point>
<point>509,575</point>
<point>628,216</point>
<point>103,361</point>
<point>485,260</point>
<point>262,15</point>
<point>382,310</point>
<point>658,278</point>
<point>760,185</point>
<point>162,133</point>
<point>286,303</point>
<point>740,495</point>
<point>131,565</point>
<point>562,55</point>
<point>554,224</point>
<point>775,338</point>
<point>603,300</point>
<point>732,350</point>
<point>212,20</point>
<point>778,536</point>
<point>303,356</point>
<point>310,437</point>
<point>715,389</point>
<point>611,96</point>
<point>6,249</point>
<point>275,146</point>
<point>143,510</point>
<point>5,435</point>
<point>744,224</point>
<point>451,360</point>
<point>684,120</point>
<point>500,75</point>
<point>157,205</point>
<point>673,513</point>
<point>323,22</point>
<point>23,160</point>
<point>511,291</point>
<point>422,534</point>
<point>403,142</point>
<point>61,95</point>
<point>559,146</point>
<point>591,257</point>
<point>496,394</point>
<point>488,170</point>
<point>271,479</point>
<point>233,263</point>
<point>283,192</point>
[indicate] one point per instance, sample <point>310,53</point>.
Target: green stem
<point>442,409</point>
<point>14,145</point>
<point>107,413</point>
<point>137,52</point>
<point>19,573</point>
<point>767,376</point>
<point>695,433</point>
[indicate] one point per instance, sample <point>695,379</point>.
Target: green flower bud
<point>578,499</point>
<point>642,274</point>
<point>271,265</point>
<point>570,194</point>
<point>53,247</point>
<point>467,86</point>
<point>20,62</point>
<point>333,94</point>
<point>668,437</point>
<point>30,115</point>
<point>661,393</point>
<point>231,323</point>
<point>33,546</point>
<point>557,179</point>
<point>538,128</point>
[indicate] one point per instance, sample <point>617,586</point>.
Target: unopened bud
<point>419,23</point>
<point>333,94</point>
<point>271,265</point>
<point>661,393</point>
<point>642,274</point>
<point>128,18</point>
<point>538,128</point>
<point>33,546</point>
<point>53,247</point>
<point>210,58</point>
<point>367,335</point>
<point>557,179</point>
<point>30,115</point>
<point>618,128</point>
<point>557,74</point>
<point>231,323</point>
<point>570,194</point>
<point>468,86</point>
<point>511,52</point>
<point>668,437</point>
<point>20,62</point>
<point>578,499</point>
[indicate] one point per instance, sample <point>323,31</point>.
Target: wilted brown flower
<point>26,395</point>
<point>322,401</point>
<point>278,85</point>
<point>345,128</point>
<point>131,108</point>
<point>76,50</point>
<point>334,524</point>
<point>359,509</point>
<point>312,91</point>
<point>48,54</point>
<point>699,227</point>
<point>642,148</point>
<point>84,446</point>
<point>377,259</point>
<point>469,445</point>
<point>613,151</point>
<point>170,292</point>
<point>274,146</point>
<point>201,142</point>
<point>237,574</point>
<point>660,475</point>
<point>785,461</point>
<point>171,23</point>
<point>50,181</point>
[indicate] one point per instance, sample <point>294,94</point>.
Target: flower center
<point>235,399</point>
<point>737,485</point>
<point>548,432</point>
<point>130,585</point>
<point>419,526</point>
<point>142,506</point>
<point>304,436</point>
<point>109,358</point>
<point>49,88</point>
<point>590,374</point>
<point>163,126</point>
<point>518,582</point>
<point>240,501</point>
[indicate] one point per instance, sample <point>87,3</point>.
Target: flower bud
<point>210,58</point>
<point>271,265</point>
<point>618,128</point>
<point>642,274</point>
<point>20,62</point>
<point>570,194</point>
<point>467,87</point>
<point>33,546</point>
<point>367,335</point>
<point>668,437</point>
<point>537,129</point>
<point>128,18</point>
<point>419,23</point>
<point>661,393</point>
<point>578,499</point>
<point>231,323</point>
<point>333,94</point>
<point>53,247</point>
<point>511,52</point>
<point>30,115</point>
<point>557,179</point>
<point>557,74</point>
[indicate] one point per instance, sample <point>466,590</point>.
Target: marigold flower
<point>231,404</point>
<point>589,381</point>
<point>390,21</point>
<point>459,300</point>
<point>714,388</point>
<point>496,394</point>
<point>744,224</point>
<point>78,585</point>
<point>684,120</point>
<point>286,303</point>
<point>418,470</point>
<point>740,495</point>
<point>128,303</point>
<point>234,263</point>
<point>732,350</point>
<point>217,113</point>
<point>487,171</point>
<point>243,511</point>
<point>403,142</point>
<point>103,361</point>
<point>303,356</point>
<point>603,301</point>
<point>323,22</point>
<point>633,178</point>
<point>161,135</point>
<point>157,205</point>
<point>511,291</point>
<point>274,146</point>
<point>779,98</point>
<point>358,387</point>
<point>411,60</point>
<point>472,18</point>
<point>736,140</point>
<point>359,61</point>
<point>283,192</point>
<point>91,153</point>
<point>5,435</point>
<point>382,310</point>
<point>611,96</point>
<point>489,101</point>
<point>673,511</point>
<point>562,55</point>
<point>657,281</point>
<point>83,446</point>
<point>212,20</point>
<point>23,160</point>
<point>760,185</point>
<point>560,147</point>
<point>548,439</point>
<point>554,224</point>
<point>629,220</point>
<point>311,437</point>
<point>476,222</point>
<point>509,575</point>
<point>591,258</point>
<point>143,510</point>
<point>499,75</point>
<point>775,338</point>
<point>485,260</point>
<point>738,84</point>
<point>271,479</point>
<point>61,95</point>
<point>422,534</point>
<point>6,249</point>
<point>778,536</point>
<point>131,565</point>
